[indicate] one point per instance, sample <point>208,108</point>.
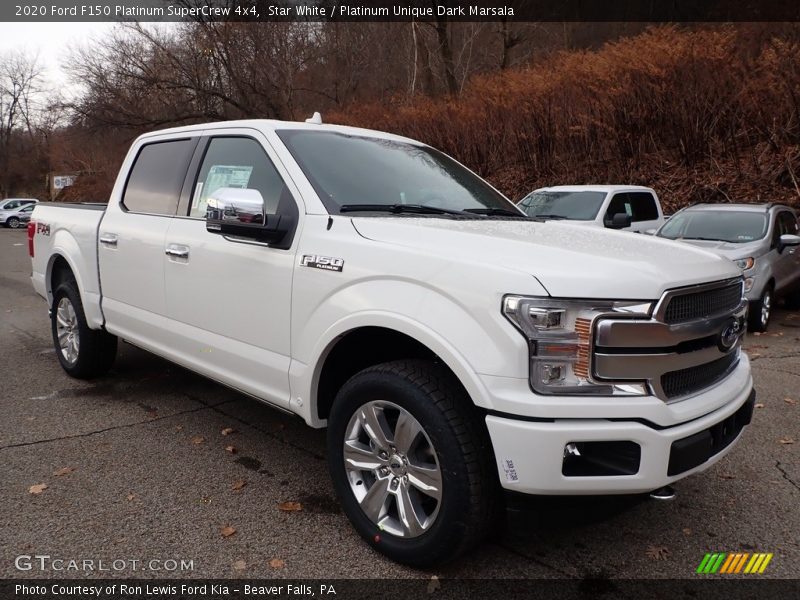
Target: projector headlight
<point>745,263</point>
<point>559,334</point>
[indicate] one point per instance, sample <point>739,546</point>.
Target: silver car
<point>16,217</point>
<point>761,238</point>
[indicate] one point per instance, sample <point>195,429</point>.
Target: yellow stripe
<point>741,562</point>
<point>765,563</point>
<point>761,558</point>
<point>728,562</point>
<point>756,558</point>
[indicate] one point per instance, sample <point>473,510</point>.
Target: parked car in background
<point>15,217</point>
<point>628,207</point>
<point>761,238</point>
<point>11,203</point>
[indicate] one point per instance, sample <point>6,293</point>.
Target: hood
<point>727,249</point>
<point>570,261</point>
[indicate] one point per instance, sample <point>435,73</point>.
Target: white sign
<point>62,181</point>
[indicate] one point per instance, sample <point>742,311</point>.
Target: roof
<point>274,125</point>
<point>595,188</point>
<point>737,206</point>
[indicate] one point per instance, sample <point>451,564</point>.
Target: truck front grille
<point>688,381</point>
<point>703,304</point>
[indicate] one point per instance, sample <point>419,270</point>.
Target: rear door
<point>641,206</point>
<point>229,299</point>
<point>131,243</point>
<point>787,265</point>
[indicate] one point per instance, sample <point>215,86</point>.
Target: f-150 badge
<point>326,263</point>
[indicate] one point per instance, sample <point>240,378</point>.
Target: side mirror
<point>650,231</point>
<point>240,212</point>
<point>619,221</point>
<point>788,239</point>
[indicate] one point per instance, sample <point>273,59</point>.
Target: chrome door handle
<point>177,251</point>
<point>109,239</point>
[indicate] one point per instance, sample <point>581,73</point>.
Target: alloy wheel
<point>67,330</point>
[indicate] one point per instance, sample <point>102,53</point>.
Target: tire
<point>761,310</point>
<point>13,222</point>
<point>450,436</point>
<point>85,353</point>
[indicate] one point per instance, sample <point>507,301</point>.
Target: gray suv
<point>761,238</point>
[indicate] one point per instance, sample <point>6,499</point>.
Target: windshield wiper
<point>422,209</point>
<point>495,211</point>
<point>704,239</point>
<point>555,217</point>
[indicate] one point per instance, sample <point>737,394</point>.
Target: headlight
<point>745,263</point>
<point>559,334</point>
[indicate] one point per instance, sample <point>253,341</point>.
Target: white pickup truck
<point>453,347</point>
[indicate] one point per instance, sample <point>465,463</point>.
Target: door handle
<point>177,251</point>
<point>109,239</point>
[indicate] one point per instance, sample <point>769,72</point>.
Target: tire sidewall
<point>13,223</point>
<point>448,529</point>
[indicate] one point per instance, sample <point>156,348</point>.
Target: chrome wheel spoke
<point>407,511</point>
<point>359,457</point>
<point>67,330</point>
<point>372,420</point>
<point>374,502</point>
<point>427,480</point>
<point>405,432</point>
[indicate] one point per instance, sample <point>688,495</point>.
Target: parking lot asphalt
<point>137,469</point>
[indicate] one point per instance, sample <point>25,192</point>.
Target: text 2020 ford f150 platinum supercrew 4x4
<point>452,346</point>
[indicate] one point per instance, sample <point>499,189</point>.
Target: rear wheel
<point>761,311</point>
<point>412,463</point>
<point>13,222</point>
<point>84,353</point>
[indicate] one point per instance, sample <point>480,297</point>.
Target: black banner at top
<point>399,10</point>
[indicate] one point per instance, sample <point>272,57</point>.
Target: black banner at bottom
<point>732,588</point>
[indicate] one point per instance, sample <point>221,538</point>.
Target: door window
<point>238,162</point>
<point>154,185</point>
<point>641,206</point>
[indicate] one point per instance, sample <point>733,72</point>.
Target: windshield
<point>736,227</point>
<point>577,206</point>
<point>349,171</point>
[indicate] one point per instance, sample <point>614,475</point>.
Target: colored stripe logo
<point>734,562</point>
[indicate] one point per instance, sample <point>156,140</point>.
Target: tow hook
<point>665,493</point>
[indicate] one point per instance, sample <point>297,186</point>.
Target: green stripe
<point>711,562</point>
<point>721,558</point>
<point>703,563</point>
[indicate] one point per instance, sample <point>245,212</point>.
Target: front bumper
<point>530,453</point>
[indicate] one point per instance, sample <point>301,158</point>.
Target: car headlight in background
<point>745,263</point>
<point>559,334</point>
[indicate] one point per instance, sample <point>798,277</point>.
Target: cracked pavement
<point>146,486</point>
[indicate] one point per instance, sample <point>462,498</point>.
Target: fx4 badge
<point>326,263</point>
<point>42,228</point>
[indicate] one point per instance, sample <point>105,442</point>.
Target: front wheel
<point>761,311</point>
<point>412,463</point>
<point>13,222</point>
<point>84,353</point>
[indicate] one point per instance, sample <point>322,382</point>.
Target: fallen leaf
<point>64,471</point>
<point>687,531</point>
<point>726,476</point>
<point>434,584</point>
<point>198,439</point>
<point>240,565</point>
<point>755,355</point>
<point>228,431</point>
<point>227,531</point>
<point>230,449</point>
<point>290,506</point>
<point>658,552</point>
<point>756,333</point>
<point>787,440</point>
<point>277,563</point>
<point>37,489</point>
<point>238,485</point>
<point>131,497</point>
<point>759,405</point>
<point>178,427</point>
<point>789,401</point>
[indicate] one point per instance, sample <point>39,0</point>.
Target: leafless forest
<point>700,112</point>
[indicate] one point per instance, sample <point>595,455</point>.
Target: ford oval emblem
<point>729,336</point>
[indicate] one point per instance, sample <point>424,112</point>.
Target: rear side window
<point>155,182</point>
<point>787,223</point>
<point>641,206</point>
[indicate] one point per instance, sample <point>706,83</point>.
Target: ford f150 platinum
<point>452,346</point>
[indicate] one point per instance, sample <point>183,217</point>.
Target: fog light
<point>571,450</point>
<point>748,284</point>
